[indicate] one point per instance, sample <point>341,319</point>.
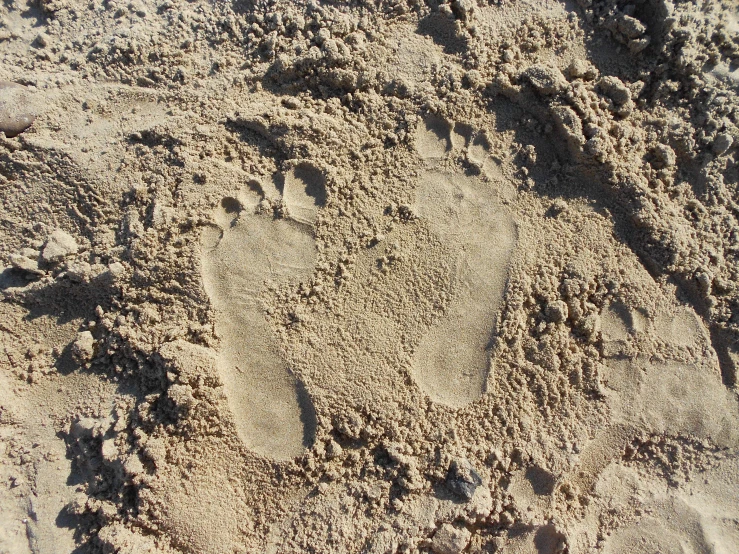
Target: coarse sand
<point>378,276</point>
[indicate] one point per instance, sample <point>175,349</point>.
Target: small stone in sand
<point>556,311</point>
<point>545,79</point>
<point>15,114</point>
<point>116,269</point>
<point>559,206</point>
<point>722,143</point>
<point>79,272</point>
<point>664,156</point>
<point>615,89</point>
<point>462,479</point>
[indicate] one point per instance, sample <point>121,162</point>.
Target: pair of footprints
<point>249,247</point>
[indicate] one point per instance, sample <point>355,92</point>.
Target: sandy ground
<point>369,277</point>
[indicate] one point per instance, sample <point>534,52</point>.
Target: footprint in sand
<point>668,396</point>
<point>646,395</point>
<point>249,247</point>
<point>451,362</point>
<point>656,397</point>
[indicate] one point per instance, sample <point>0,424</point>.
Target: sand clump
<point>436,277</point>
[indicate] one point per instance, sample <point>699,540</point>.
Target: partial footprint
<point>656,397</point>
<point>672,398</point>
<point>675,325</point>
<point>433,138</point>
<point>680,327</point>
<point>619,323</point>
<point>698,516</point>
<point>273,414</point>
<point>451,362</point>
<point>436,138</point>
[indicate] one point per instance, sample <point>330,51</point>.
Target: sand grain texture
<point>397,277</point>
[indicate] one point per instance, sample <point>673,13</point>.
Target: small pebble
<point>546,79</point>
<point>631,27</point>
<point>333,449</point>
<point>116,268</point>
<point>582,69</point>
<point>615,89</point>
<point>84,346</point>
<point>664,156</point>
<point>291,103</point>
<point>463,479</point>
<point>15,111</point>
<point>79,271</point>
<point>559,206</point>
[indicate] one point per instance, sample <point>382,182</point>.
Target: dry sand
<point>370,277</point>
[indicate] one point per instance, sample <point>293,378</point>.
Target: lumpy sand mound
<point>369,277</point>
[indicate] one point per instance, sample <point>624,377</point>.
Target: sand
<point>369,277</point>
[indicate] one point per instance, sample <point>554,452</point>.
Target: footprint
<point>697,516</point>
<point>273,414</point>
<point>672,398</point>
<point>619,322</point>
<point>451,362</point>
<point>646,395</point>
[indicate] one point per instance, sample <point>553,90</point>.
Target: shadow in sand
<point>80,525</point>
<point>255,132</point>
<point>442,30</point>
<point>63,299</point>
<point>15,278</point>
